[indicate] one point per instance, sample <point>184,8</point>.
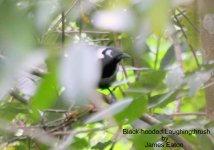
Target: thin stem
<point>66,13</point>
<point>157,52</point>
<point>87,32</point>
<point>63,28</point>
<point>189,114</point>
<point>188,20</point>
<point>190,46</point>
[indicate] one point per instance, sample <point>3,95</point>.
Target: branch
<point>189,114</point>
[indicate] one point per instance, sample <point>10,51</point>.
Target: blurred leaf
<point>110,111</point>
<point>141,140</point>
<point>14,24</point>
<point>85,18</point>
<point>79,73</point>
<point>22,146</point>
<point>116,4</point>
<point>159,15</point>
<point>162,100</point>
<point>9,110</point>
<point>174,78</point>
<point>133,111</point>
<point>79,143</point>
<point>47,92</point>
<point>210,125</point>
<point>193,103</point>
<point>168,58</point>
<point>151,78</point>
<point>190,20</point>
<point>102,145</point>
<point>13,48</point>
<point>204,142</point>
<point>197,81</point>
<point>51,39</point>
<point>114,20</point>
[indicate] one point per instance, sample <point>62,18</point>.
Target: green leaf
<point>80,143</point>
<point>159,16</point>
<point>141,140</point>
<point>102,145</point>
<point>197,81</point>
<point>174,78</point>
<point>15,24</point>
<point>47,92</point>
<point>190,20</point>
<point>168,58</point>
<point>152,78</point>
<point>133,111</point>
<point>10,110</point>
<point>204,142</point>
<point>162,100</point>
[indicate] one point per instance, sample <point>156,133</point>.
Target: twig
<point>18,97</point>
<point>157,52</point>
<point>38,73</point>
<point>63,27</point>
<point>189,113</point>
<point>188,20</point>
<point>178,54</point>
<point>56,110</point>
<point>99,40</point>
<point>80,20</point>
<point>137,68</point>
<point>87,32</point>
<point>190,46</point>
<point>125,74</point>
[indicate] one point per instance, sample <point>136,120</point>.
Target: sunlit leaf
<point>133,111</point>
<point>152,78</point>
<point>162,100</point>
<point>79,143</point>
<point>168,58</point>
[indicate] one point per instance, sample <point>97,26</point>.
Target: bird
<point>110,58</point>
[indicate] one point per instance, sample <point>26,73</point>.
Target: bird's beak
<point>125,55</point>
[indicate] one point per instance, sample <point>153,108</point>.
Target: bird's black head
<point>110,57</point>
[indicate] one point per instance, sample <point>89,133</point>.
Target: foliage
<point>160,88</point>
